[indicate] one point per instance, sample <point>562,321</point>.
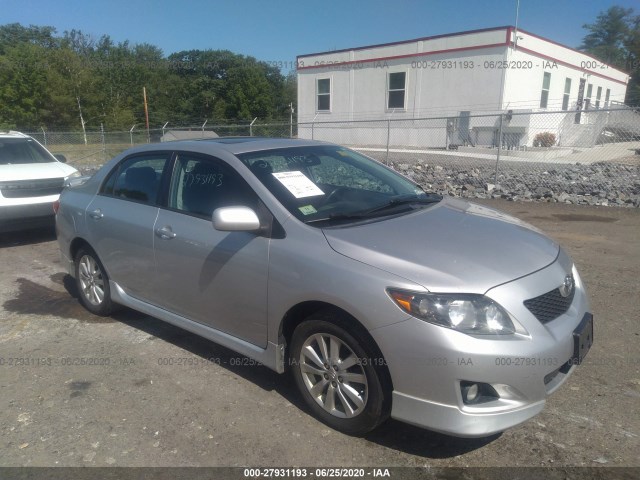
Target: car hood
<point>34,171</point>
<point>454,246</point>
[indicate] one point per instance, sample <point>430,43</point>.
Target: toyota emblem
<point>566,289</point>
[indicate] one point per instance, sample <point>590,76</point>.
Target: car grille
<point>31,188</point>
<point>550,305</point>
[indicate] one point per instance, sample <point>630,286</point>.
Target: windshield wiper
<point>401,200</point>
<point>339,216</point>
<point>404,200</point>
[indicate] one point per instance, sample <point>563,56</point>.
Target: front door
<point>212,277</point>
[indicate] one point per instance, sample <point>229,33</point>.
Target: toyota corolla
<point>381,299</point>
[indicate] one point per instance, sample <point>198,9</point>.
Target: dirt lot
<point>78,390</point>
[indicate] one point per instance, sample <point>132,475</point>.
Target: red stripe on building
<point>507,42</point>
<point>408,55</point>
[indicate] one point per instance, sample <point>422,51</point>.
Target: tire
<point>93,283</point>
<point>350,398</point>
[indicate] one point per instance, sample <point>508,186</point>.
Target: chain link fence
<point>590,157</point>
<point>90,150</point>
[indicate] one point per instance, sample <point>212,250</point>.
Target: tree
<point>219,84</point>
<point>632,45</point>
<point>48,81</point>
<point>14,34</point>
<point>24,90</point>
<point>614,38</point>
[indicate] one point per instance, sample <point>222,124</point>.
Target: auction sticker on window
<point>298,184</point>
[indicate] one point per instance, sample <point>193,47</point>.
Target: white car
<point>31,180</point>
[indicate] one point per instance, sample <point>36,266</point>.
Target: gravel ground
<point>78,390</point>
<point>604,183</point>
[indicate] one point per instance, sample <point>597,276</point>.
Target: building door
<point>463,128</point>
<point>580,101</point>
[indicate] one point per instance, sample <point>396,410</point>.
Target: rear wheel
<point>337,376</point>
<point>93,283</point>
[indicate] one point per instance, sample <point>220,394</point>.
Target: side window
<point>396,86</point>
<point>137,179</point>
<point>546,85</point>
<point>323,89</point>
<point>201,184</point>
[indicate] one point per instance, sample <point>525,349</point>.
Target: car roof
<point>13,134</point>
<point>233,145</point>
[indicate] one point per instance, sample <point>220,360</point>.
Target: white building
<point>453,76</point>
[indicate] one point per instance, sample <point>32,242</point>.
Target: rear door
<point>121,217</point>
<point>212,277</point>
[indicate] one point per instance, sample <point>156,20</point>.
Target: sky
<point>279,30</point>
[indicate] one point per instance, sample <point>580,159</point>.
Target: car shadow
<point>392,434</point>
<point>417,441</point>
<point>27,237</point>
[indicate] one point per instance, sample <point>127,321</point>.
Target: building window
<point>324,95</point>
<point>567,92</point>
<point>606,98</point>
<point>587,101</point>
<point>544,97</point>
<point>397,83</point>
<point>598,95</point>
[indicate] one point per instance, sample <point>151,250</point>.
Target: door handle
<point>96,214</point>
<point>165,233</point>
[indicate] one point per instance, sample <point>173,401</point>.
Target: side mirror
<point>60,157</point>
<point>235,219</point>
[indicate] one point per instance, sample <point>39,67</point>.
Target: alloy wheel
<point>333,375</point>
<point>91,280</point>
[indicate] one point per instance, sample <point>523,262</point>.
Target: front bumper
<point>18,217</point>
<point>451,420</point>
<point>428,363</point>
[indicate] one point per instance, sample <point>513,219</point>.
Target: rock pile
<point>604,184</point>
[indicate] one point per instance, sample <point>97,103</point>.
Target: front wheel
<point>337,377</point>
<point>93,283</point>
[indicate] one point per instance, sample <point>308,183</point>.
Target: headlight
<point>75,179</point>
<point>467,313</point>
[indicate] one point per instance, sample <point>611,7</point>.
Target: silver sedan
<point>381,299</point>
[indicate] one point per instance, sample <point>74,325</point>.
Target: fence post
<point>291,120</point>
<point>495,178</point>
<point>386,162</point>
<point>606,123</point>
<point>104,145</point>
<point>45,136</point>
<point>312,126</point>
<point>251,126</point>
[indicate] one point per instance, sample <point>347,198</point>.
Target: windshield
<point>22,150</point>
<point>331,184</point>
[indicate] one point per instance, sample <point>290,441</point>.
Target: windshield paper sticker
<point>298,184</point>
<point>308,210</point>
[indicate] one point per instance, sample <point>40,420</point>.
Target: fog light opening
<point>474,393</point>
